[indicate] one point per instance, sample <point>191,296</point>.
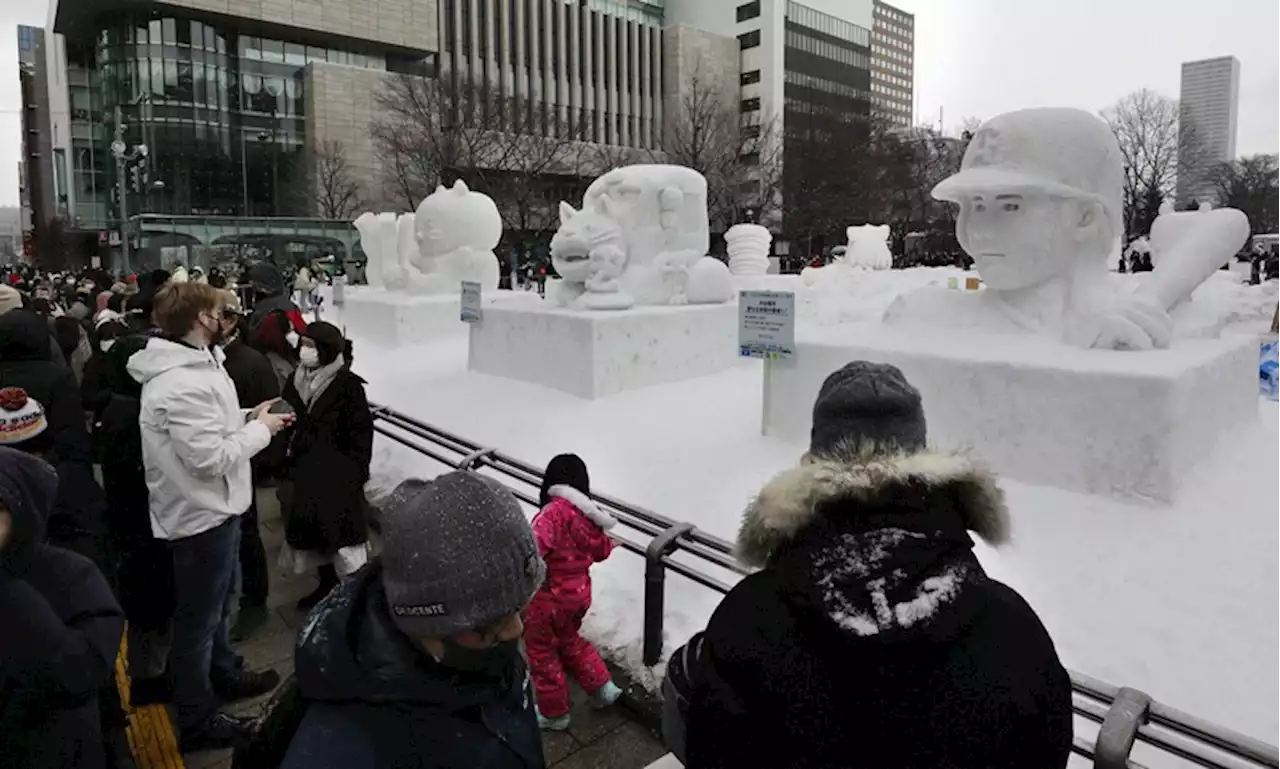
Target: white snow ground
<point>1179,601</point>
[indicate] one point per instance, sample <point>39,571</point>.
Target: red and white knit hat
<point>21,417</point>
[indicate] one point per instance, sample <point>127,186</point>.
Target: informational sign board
<point>471,312</point>
<point>95,262</point>
<point>767,325</point>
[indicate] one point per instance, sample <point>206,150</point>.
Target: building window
<point>751,105</point>
<point>749,39</point>
<point>751,131</point>
<point>751,76</point>
<point>750,159</point>
<point>748,11</point>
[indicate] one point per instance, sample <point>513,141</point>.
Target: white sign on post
<point>471,312</point>
<point>339,290</point>
<point>767,324</point>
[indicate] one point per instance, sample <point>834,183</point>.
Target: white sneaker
<point>606,695</point>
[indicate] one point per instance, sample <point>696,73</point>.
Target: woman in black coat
<point>330,448</point>
<point>64,631</point>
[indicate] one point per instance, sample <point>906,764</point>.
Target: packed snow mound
<point>838,293</point>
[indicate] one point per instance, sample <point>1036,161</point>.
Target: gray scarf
<point>311,382</point>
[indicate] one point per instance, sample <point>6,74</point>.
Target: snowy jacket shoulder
<point>196,443</point>
<point>570,531</point>
<point>872,623</point>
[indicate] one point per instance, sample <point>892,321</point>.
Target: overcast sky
<point>979,58</point>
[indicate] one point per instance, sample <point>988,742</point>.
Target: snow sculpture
<point>869,247</point>
<point>748,248</point>
<point>450,239</point>
<point>378,234</point>
<point>455,232</point>
<point>1040,213</point>
<point>1172,228</point>
<point>656,216</point>
<point>589,254</point>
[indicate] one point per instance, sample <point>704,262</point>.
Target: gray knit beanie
<point>458,555</point>
<point>867,403</point>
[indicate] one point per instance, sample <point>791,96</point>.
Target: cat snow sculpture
<point>659,225</point>
<point>455,231</point>
<point>869,247</point>
<point>589,253</point>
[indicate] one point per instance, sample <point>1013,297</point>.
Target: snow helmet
<point>1055,150</point>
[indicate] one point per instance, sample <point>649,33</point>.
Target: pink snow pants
<point>554,646</point>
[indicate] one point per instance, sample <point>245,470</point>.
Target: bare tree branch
<point>1153,140</point>
<point>331,192</point>
<point>1250,184</point>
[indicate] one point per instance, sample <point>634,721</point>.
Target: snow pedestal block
<point>1122,424</point>
<point>392,319</point>
<point>596,354</point>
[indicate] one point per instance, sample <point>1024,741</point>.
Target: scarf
<point>311,382</point>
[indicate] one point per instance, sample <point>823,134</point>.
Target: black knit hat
<point>329,341</point>
<point>867,403</point>
<point>564,470</point>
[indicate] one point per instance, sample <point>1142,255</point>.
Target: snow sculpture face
<point>587,241</point>
<point>1040,196</point>
<point>454,218</point>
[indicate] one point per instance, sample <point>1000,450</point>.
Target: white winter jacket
<point>196,443</point>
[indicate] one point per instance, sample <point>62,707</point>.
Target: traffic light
<point>135,177</point>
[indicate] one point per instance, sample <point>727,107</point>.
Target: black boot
<point>235,685</point>
<point>328,581</point>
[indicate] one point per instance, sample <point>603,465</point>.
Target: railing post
<point>1120,728</point>
<point>655,579</point>
<point>470,460</point>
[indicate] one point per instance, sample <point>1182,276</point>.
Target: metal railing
<point>1125,716</point>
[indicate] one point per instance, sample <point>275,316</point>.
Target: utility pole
<point>125,155</point>
<point>118,149</point>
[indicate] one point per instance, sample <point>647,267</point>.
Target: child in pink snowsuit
<point>570,531</point>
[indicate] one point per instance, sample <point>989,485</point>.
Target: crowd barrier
<point>1125,716</point>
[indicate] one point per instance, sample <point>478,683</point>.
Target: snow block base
<point>1125,424</point>
<point>390,319</point>
<point>595,354</point>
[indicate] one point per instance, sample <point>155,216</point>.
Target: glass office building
<point>219,103</point>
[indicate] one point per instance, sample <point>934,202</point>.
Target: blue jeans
<point>203,569</point>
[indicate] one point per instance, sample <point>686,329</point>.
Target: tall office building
<point>36,172</point>
<point>1209,103</point>
<point>893,35</point>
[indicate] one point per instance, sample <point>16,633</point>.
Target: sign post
<point>471,311</point>
<point>767,325</point>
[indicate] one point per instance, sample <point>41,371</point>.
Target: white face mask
<point>291,338</point>
<point>309,357</point>
<point>106,344</point>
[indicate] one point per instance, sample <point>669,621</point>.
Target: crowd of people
<point>869,635</point>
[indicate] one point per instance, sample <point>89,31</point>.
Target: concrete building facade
<point>1209,103</point>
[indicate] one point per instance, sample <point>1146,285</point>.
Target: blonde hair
<point>177,305</point>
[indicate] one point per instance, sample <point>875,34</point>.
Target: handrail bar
<point>1159,726</point>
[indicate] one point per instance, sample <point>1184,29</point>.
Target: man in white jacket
<point>196,446</point>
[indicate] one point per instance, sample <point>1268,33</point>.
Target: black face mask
<point>216,336</point>
<point>490,661</point>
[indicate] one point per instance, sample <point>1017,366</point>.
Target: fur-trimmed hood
<point>789,502</point>
<point>586,505</point>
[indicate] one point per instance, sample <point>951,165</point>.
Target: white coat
<point>196,443</point>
